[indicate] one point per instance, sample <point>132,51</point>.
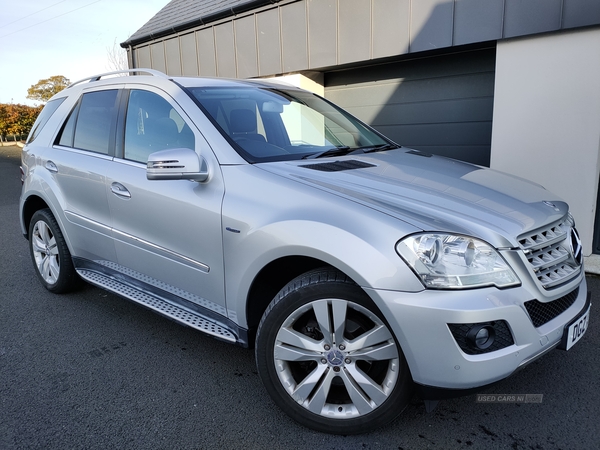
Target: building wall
<point>546,124</point>
<point>298,35</point>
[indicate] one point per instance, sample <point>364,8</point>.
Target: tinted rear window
<point>90,124</point>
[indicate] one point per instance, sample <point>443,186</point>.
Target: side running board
<point>159,305</point>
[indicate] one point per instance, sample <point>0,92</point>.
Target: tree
<point>3,121</point>
<point>117,58</point>
<point>17,120</point>
<point>45,89</point>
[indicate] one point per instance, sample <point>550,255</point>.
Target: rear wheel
<point>328,358</point>
<point>50,254</point>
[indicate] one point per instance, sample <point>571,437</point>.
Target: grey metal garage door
<point>439,104</point>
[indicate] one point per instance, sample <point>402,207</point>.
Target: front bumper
<point>421,324</point>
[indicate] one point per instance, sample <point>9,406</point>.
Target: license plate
<point>577,329</point>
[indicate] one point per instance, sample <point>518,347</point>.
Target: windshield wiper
<point>376,148</point>
<point>338,151</point>
<point>335,151</point>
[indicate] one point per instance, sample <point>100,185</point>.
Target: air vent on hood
<point>338,166</point>
<point>420,153</point>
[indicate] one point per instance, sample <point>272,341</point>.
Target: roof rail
<point>155,73</point>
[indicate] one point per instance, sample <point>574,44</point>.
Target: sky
<point>73,38</point>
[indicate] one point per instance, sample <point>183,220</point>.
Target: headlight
<point>446,261</point>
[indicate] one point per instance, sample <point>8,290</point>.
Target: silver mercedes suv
<point>265,216</point>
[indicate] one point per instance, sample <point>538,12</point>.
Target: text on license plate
<point>577,329</point>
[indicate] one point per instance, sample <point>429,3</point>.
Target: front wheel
<point>328,358</point>
<point>50,254</point>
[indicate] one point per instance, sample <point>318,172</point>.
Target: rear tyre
<point>50,254</point>
<point>328,358</point>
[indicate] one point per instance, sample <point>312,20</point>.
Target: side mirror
<point>177,164</point>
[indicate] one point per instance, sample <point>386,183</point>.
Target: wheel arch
<point>32,204</point>
<point>269,281</point>
<point>35,202</point>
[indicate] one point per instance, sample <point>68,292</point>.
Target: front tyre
<point>50,254</point>
<point>328,358</point>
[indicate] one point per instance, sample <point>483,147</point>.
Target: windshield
<point>275,125</point>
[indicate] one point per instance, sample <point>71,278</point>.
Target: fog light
<point>481,336</point>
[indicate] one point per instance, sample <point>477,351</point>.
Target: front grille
<point>549,252</point>
<point>503,337</point>
<point>541,313</point>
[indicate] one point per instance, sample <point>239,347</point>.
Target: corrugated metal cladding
<point>280,36</point>
<point>441,105</point>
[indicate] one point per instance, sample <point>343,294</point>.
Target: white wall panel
<point>547,117</point>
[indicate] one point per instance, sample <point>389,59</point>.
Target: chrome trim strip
<point>70,215</point>
<point>84,152</point>
<point>534,357</point>
<point>203,267</point>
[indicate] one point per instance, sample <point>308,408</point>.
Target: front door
<point>167,232</point>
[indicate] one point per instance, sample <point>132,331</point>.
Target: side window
<point>152,125</point>
<point>90,123</point>
<point>68,130</point>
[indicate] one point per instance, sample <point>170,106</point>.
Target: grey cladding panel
<point>173,57</point>
<point>579,13</point>
<point>390,27</point>
<point>431,25</point>
<point>245,47</point>
<point>531,16</point>
<point>225,45</point>
<point>158,56</point>
<point>322,33</point>
<point>318,34</point>
<point>441,104</point>
<point>189,55</point>
<point>477,21</point>
<point>354,30</point>
<point>143,58</point>
<point>294,37</point>
<point>206,53</point>
<point>269,43</point>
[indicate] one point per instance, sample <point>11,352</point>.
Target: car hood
<point>433,193</point>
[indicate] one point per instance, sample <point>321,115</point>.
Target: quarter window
<point>43,118</point>
<point>152,124</point>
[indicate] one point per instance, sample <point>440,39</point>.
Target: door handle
<point>120,190</point>
<point>51,166</point>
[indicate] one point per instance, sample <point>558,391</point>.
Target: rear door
<point>78,162</point>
